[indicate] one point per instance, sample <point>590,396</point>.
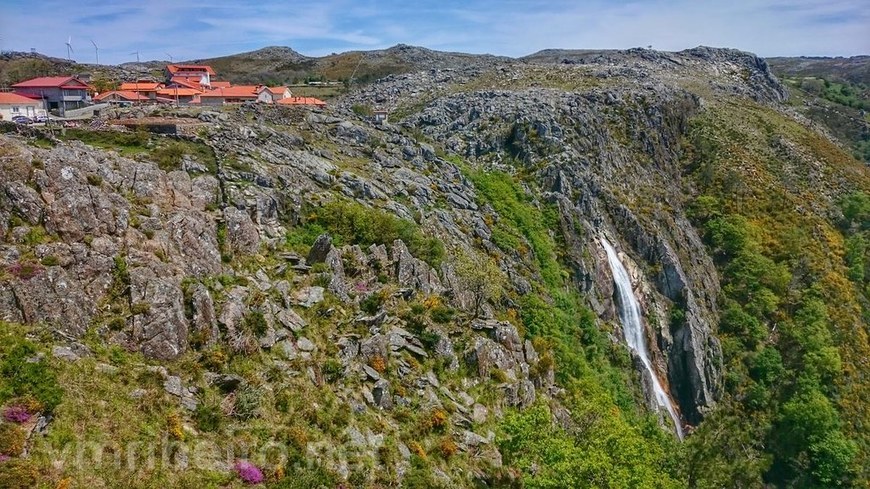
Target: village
<point>39,100</point>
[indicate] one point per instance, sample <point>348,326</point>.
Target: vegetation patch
<point>352,223</point>
<point>791,313</point>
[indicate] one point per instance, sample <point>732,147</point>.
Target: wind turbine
<point>170,57</point>
<point>137,55</point>
<point>69,49</point>
<point>96,51</point>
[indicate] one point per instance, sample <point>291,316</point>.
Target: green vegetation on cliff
<point>794,339</point>
<point>609,442</point>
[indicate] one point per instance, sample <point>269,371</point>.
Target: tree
<point>480,276</point>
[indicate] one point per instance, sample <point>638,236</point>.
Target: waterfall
<point>632,328</point>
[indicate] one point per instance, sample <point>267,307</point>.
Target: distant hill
<point>282,65</point>
<point>834,92</point>
<point>855,69</point>
<point>18,66</point>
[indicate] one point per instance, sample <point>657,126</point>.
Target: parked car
<point>41,118</point>
<point>21,119</point>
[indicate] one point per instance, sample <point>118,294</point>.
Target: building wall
<point>211,101</point>
<point>57,97</point>
<point>7,110</point>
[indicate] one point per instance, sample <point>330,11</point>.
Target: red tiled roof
<point>302,101</point>
<point>141,86</point>
<point>241,91</point>
<point>14,98</point>
<point>53,82</point>
<point>220,84</point>
<point>204,68</point>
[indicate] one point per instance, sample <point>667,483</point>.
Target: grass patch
<point>168,153</point>
<point>352,223</point>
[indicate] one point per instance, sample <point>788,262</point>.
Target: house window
<point>15,110</point>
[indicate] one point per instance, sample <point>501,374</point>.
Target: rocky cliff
<point>390,292</point>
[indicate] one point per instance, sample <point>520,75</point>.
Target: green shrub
<point>140,308</point>
<point>12,439</point>
<point>36,235</point>
<point>255,322</point>
<point>18,474</point>
<point>429,338</point>
<point>23,377</point>
<point>442,314</point>
<point>353,223</point>
<point>362,110</point>
<point>420,476</point>
<point>247,402</point>
<point>307,477</point>
<point>372,303</point>
<point>95,180</point>
<point>208,416</point>
<point>169,157</point>
<point>332,370</point>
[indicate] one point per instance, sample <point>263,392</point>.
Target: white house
<point>270,95</point>
<point>12,104</point>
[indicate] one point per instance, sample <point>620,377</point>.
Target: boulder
<point>242,234</point>
<point>414,273</point>
<point>337,284</point>
<point>381,394</point>
<point>308,296</point>
<point>204,321</point>
<point>320,249</point>
<point>290,320</point>
<point>161,331</point>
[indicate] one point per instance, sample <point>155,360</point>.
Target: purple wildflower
<point>4,458</point>
<point>16,414</point>
<point>361,287</point>
<point>248,472</point>
<point>24,270</point>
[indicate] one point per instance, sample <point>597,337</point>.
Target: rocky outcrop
<point>200,256</point>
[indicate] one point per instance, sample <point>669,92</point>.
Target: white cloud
<point>196,29</point>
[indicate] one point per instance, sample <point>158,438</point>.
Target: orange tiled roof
<point>220,84</point>
<point>241,91</point>
<point>14,98</point>
<point>278,90</point>
<point>187,81</point>
<point>181,92</point>
<point>124,94</point>
<point>174,68</point>
<point>302,101</point>
<point>141,86</point>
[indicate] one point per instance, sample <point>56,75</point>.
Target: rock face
<point>571,139</point>
<point>161,330</point>
<point>195,257</point>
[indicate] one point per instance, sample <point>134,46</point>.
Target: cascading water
<point>632,327</point>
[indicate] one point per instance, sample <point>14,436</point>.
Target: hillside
<point>309,299</point>
<point>277,65</point>
<point>855,69</point>
<point>835,92</point>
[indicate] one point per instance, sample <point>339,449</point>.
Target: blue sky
<point>189,29</point>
